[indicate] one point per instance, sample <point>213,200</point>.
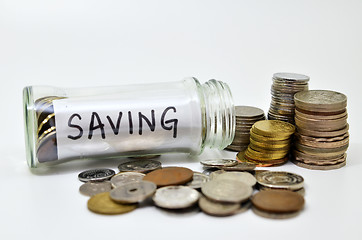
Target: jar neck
<point>218,114</point>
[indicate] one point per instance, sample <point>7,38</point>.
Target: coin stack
<point>269,143</point>
<point>284,86</point>
<point>322,130</point>
<point>245,117</point>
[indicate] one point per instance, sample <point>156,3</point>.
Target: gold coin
<point>263,156</point>
<point>273,128</point>
<point>267,139</point>
<point>268,146</point>
<point>103,204</point>
<point>268,163</point>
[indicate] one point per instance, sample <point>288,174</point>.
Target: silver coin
<point>208,171</point>
<point>218,208</point>
<point>133,192</point>
<point>241,166</point>
<point>280,180</point>
<point>293,77</point>
<point>96,175</point>
<point>142,166</point>
<point>126,177</point>
<point>218,162</point>
<point>227,191</point>
<point>92,188</point>
<point>197,180</point>
<point>244,177</point>
<point>214,174</point>
<point>248,112</point>
<point>175,197</point>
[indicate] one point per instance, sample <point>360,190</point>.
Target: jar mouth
<point>220,117</point>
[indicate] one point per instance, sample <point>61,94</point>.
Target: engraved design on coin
<point>175,197</point>
<point>282,180</point>
<point>126,177</point>
<point>142,166</point>
<point>96,175</point>
<point>197,180</point>
<point>218,162</point>
<point>133,192</point>
<point>244,177</point>
<point>93,188</point>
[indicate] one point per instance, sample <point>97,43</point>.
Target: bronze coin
<point>315,133</point>
<point>169,176</point>
<point>319,167</point>
<point>278,201</point>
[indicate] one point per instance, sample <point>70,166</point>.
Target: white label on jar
<point>119,124</point>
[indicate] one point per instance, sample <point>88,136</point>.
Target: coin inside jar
<point>133,192</point>
<point>169,176</point>
<point>175,197</point>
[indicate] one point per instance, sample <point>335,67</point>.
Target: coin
<point>126,177</point>
<point>150,156</point>
<point>133,192</point>
<point>96,175</point>
<point>320,101</point>
<point>103,204</point>
<point>294,78</point>
<point>280,180</point>
<point>319,167</point>
<point>248,112</point>
<point>328,144</point>
<point>214,174</point>
<point>300,191</point>
<point>218,208</point>
<point>218,162</point>
<point>175,197</point>
<point>241,166</point>
<point>169,176</point>
<point>278,201</point>
<point>244,177</point>
<point>274,215</point>
<point>93,188</point>
<point>142,166</point>
<point>197,180</point>
<point>273,128</point>
<point>315,133</point>
<point>47,148</point>
<point>227,191</point>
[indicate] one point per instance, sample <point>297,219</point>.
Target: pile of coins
<point>223,193</point>
<point>245,117</point>
<point>322,138</point>
<point>269,143</point>
<point>284,86</point>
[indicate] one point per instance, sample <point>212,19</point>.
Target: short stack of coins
<point>269,143</point>
<point>322,135</point>
<point>245,117</point>
<point>284,86</point>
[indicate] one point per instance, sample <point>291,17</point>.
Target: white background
<point>94,43</point>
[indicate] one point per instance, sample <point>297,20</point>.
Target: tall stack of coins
<point>284,86</point>
<point>269,143</point>
<point>322,131</point>
<point>245,117</point>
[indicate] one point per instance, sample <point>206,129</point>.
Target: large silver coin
<point>142,166</point>
<point>176,197</point>
<point>280,180</point>
<point>227,191</point>
<point>292,77</point>
<point>217,208</point>
<point>197,180</point>
<point>320,101</point>
<point>96,175</point>
<point>248,112</point>
<point>92,188</point>
<point>244,177</point>
<point>218,162</point>
<point>126,177</point>
<point>213,175</point>
<point>133,192</point>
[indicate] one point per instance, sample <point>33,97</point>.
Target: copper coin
<point>278,201</point>
<point>300,114</point>
<point>314,133</point>
<point>170,176</point>
<point>318,167</point>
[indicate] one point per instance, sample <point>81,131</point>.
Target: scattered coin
<point>241,166</point>
<point>244,177</point>
<point>93,188</point>
<point>274,215</point>
<point>169,176</point>
<point>126,177</point>
<point>142,166</point>
<point>175,197</point>
<point>197,180</point>
<point>133,192</point>
<point>103,204</point>
<point>218,208</point>
<point>96,175</point>
<point>280,180</point>
<point>227,191</point>
<point>218,162</point>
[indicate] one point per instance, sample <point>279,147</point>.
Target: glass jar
<point>132,120</point>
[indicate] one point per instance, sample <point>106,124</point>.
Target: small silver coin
<point>280,180</point>
<point>142,166</point>
<point>92,188</point>
<point>218,162</point>
<point>244,177</point>
<point>218,208</point>
<point>241,166</point>
<point>133,192</point>
<point>227,191</point>
<point>175,197</point>
<point>96,175</point>
<point>197,180</point>
<point>126,177</point>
